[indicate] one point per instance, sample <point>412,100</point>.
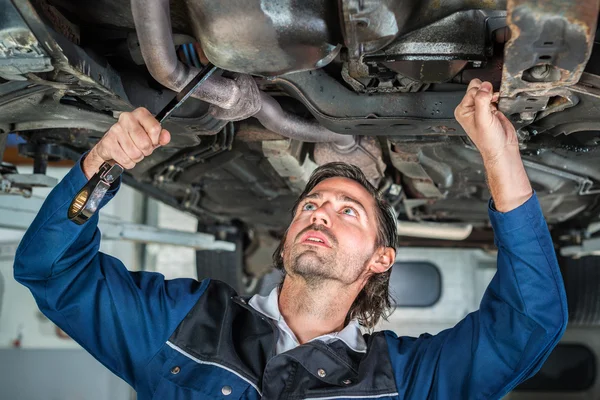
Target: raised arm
<point>120,317</point>
<point>523,313</point>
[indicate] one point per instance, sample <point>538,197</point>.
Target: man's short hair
<point>373,301</point>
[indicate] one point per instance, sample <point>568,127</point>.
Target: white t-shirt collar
<point>269,306</point>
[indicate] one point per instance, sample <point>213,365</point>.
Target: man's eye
<point>349,211</point>
<point>309,207</point>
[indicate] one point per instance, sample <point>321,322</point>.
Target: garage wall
<point>33,349</point>
<point>171,261</point>
<point>57,374</point>
<point>465,274</point>
<point>46,365</point>
<point>19,315</point>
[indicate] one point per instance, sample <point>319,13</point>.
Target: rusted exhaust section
<point>550,44</point>
<point>273,117</point>
<point>365,154</point>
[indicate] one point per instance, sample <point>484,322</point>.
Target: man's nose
<point>321,216</point>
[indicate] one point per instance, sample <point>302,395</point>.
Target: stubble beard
<point>319,266</point>
<point>313,267</point>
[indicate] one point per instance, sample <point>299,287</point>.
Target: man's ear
<point>383,259</point>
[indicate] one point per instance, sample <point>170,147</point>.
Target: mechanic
<point>183,339</point>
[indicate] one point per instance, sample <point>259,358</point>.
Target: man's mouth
<point>316,239</point>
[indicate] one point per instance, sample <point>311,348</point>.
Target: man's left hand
<point>496,139</point>
<point>491,132</point>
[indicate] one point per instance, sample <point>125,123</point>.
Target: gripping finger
<point>116,153</point>
<point>508,128</point>
<point>138,135</point>
<point>164,138</point>
<point>475,83</point>
<point>128,146</point>
<point>149,124</point>
<point>122,158</point>
<point>469,100</point>
<point>483,104</point>
<point>140,138</point>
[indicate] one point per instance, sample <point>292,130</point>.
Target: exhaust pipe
<point>153,25</point>
<point>152,20</point>
<point>274,118</point>
<point>434,230</point>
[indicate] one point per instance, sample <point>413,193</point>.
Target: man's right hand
<point>133,137</point>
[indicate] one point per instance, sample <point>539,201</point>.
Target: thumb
<point>483,105</point>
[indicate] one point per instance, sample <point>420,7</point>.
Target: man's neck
<point>312,311</point>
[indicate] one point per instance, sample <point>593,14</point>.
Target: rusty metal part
<point>589,84</point>
<point>395,84</point>
<point>20,51</point>
<point>273,117</point>
<point>366,155</point>
<point>538,107</point>
<point>248,131</point>
<point>418,183</point>
<point>98,83</point>
<point>290,160</point>
<point>559,103</point>
<point>248,104</point>
<point>58,21</point>
<point>550,44</point>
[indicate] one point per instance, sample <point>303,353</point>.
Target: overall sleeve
<point>521,318</point>
<point>122,318</point>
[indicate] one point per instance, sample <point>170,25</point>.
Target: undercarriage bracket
<point>550,44</point>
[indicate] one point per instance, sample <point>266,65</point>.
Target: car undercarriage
<point>303,83</point>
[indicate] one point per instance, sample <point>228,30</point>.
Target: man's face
<point>332,236</point>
